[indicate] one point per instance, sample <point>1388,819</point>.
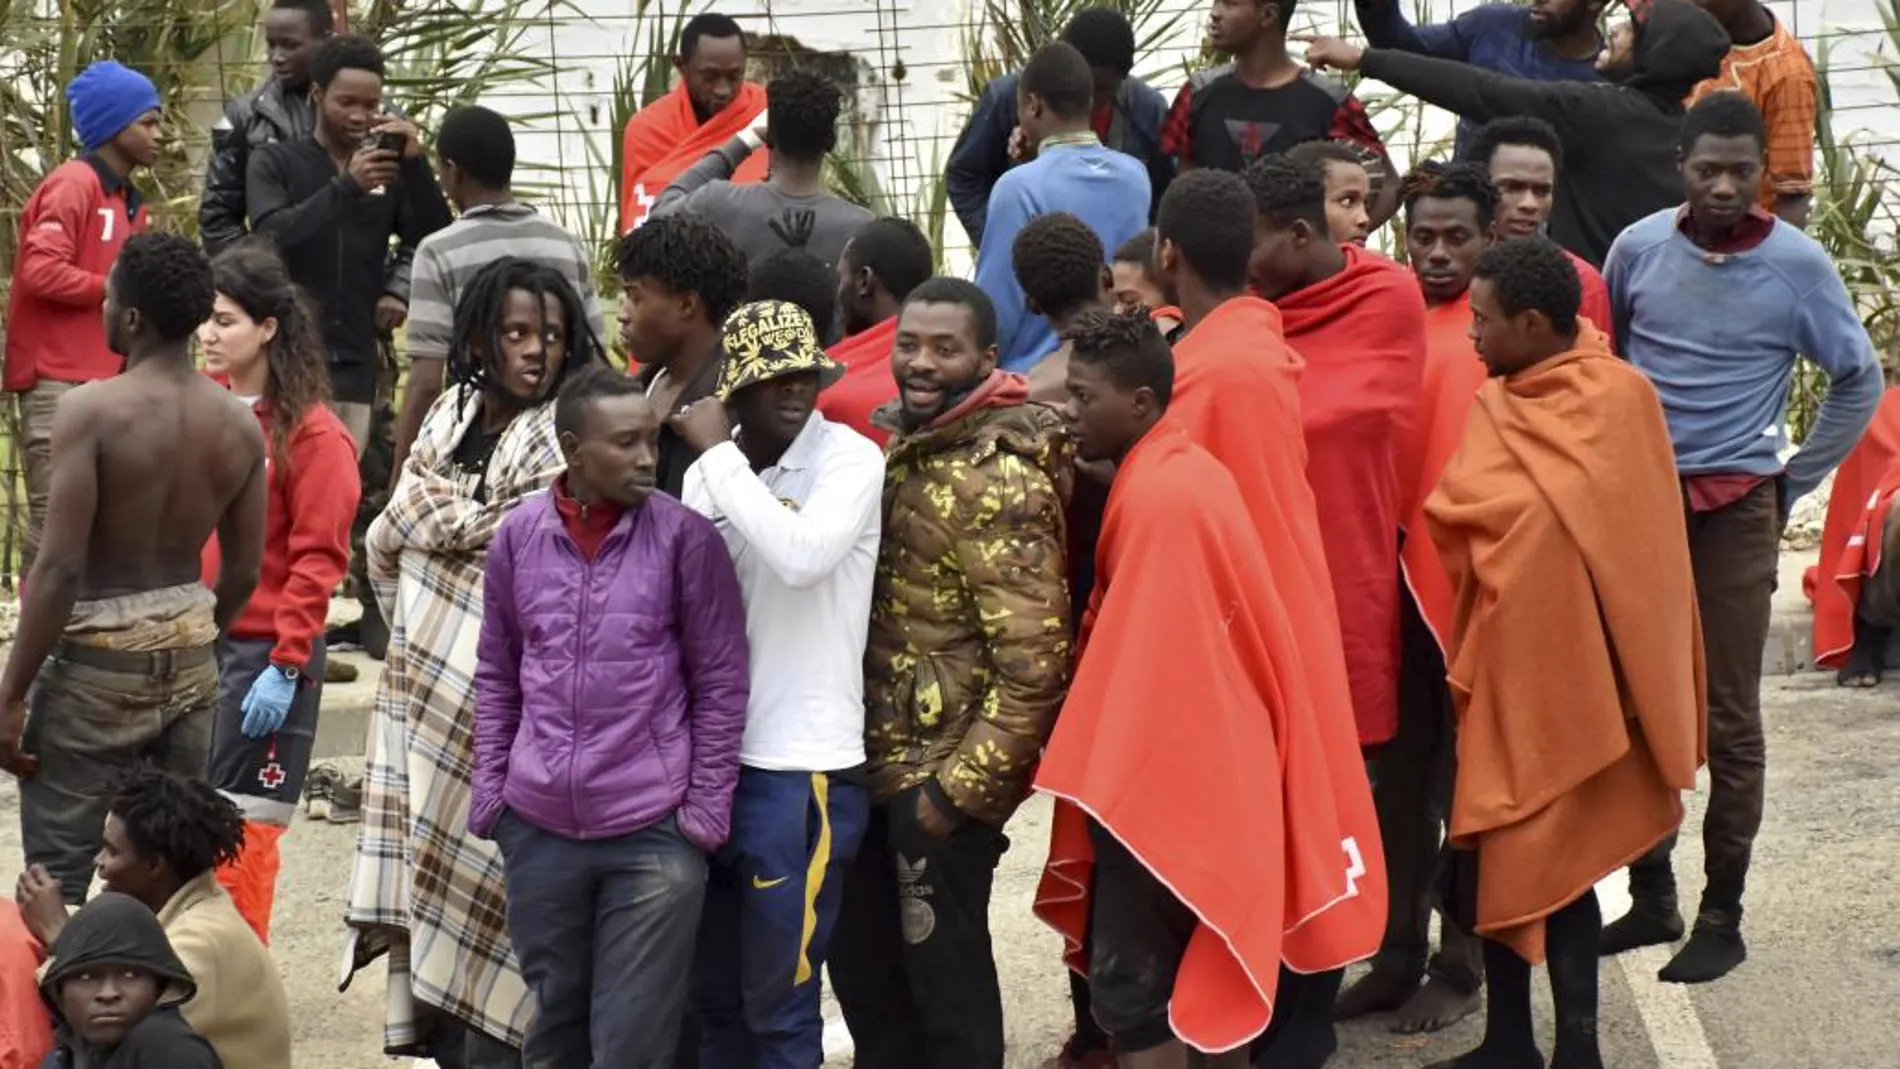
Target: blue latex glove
<point>268,704</point>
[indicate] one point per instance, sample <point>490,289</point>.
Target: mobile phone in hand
<point>389,141</point>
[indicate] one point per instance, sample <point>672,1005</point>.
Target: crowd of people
<point>1322,591</point>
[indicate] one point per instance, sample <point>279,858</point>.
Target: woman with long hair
<point>262,338</point>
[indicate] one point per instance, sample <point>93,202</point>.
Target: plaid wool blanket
<point>424,890</point>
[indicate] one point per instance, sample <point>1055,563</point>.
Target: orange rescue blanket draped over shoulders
<point>1576,650</point>
<point>1236,397</point>
<point>1362,335</point>
<point>666,137</point>
<point>1864,488</point>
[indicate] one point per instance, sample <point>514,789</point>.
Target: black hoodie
<point>114,929</point>
<point>1620,139</point>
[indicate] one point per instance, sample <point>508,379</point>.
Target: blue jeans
<point>604,931</point>
<point>771,901</point>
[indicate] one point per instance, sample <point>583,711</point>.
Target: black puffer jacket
<point>1619,138</point>
<point>114,930</point>
<point>264,115</point>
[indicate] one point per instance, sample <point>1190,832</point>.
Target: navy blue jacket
<point>981,154</point>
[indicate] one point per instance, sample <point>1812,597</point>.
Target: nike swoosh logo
<point>767,885</point>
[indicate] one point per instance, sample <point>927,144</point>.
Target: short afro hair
<point>322,19</point>
<point>687,254</point>
<point>167,280</point>
<point>346,52</point>
<point>946,290</point>
<point>1467,180</point>
<point>1723,114</point>
<point>1521,130</point>
<point>1287,190</point>
<point>481,143</point>
<point>184,822</point>
<point>803,108</point>
<point>1139,249</point>
<point>796,277</point>
<point>1129,348</point>
<point>1058,262</point>
<point>1061,77</point>
<point>895,250</point>
<point>587,385</point>
<point>707,24</point>
<point>1534,275</point>
<point>1104,37</point>
<point>1327,152</point>
<point>1209,215</point>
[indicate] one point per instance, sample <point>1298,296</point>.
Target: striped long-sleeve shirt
<point>449,259</point>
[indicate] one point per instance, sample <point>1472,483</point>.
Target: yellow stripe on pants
<point>815,874</point>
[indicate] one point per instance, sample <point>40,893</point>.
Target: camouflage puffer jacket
<point>969,653</point>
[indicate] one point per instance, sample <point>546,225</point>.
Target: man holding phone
<point>334,201</point>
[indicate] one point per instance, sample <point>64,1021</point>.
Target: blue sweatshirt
<point>1718,334</point>
<point>1106,189</point>
<point>1494,37</point>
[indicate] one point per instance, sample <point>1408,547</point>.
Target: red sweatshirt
<point>70,233</point>
<point>306,536</point>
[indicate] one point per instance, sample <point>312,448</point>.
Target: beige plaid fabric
<point>425,891</point>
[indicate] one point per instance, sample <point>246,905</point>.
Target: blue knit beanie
<point>107,97</point>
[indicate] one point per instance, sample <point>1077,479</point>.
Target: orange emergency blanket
<point>867,384</point>
<point>1864,488</point>
<point>1236,396</point>
<point>1576,648</point>
<point>665,138</point>
<point>1362,334</point>
<point>1453,374</point>
<point>1188,721</point>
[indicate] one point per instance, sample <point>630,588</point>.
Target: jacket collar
<point>803,453</point>
<point>190,896</point>
<point>115,184</point>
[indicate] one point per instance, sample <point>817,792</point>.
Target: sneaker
<point>316,792</point>
<point>346,800</point>
<point>344,638</point>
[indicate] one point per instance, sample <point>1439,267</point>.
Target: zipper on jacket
<point>580,674</point>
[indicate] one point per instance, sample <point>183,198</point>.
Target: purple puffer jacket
<point>612,692</point>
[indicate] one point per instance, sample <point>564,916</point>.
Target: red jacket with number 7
<point>70,233</point>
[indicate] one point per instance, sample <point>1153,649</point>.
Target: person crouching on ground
<point>115,985</point>
<point>1576,650</point>
<point>165,837</point>
<point>610,613</point>
<point>262,336</point>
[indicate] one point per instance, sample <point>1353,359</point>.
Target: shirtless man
<point>115,625</point>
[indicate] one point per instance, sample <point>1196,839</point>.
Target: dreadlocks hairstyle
<point>185,821</point>
<point>1058,261</point>
<point>687,254</point>
<point>1209,216</point>
<point>1104,37</point>
<point>1061,77</point>
<point>798,277</point>
<point>346,52</point>
<point>1451,181</point>
<point>478,322</point>
<point>1534,274</point>
<point>1286,190</point>
<point>1325,152</point>
<point>946,290</point>
<point>1724,114</point>
<point>253,277</point>
<point>322,20</point>
<point>804,107</point>
<point>1129,348</point>
<point>895,250</point>
<point>167,280</point>
<point>1515,130</point>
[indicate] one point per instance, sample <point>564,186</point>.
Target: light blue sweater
<point>1104,188</point>
<point>1718,334</point>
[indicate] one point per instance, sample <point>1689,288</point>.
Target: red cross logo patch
<point>271,775</point>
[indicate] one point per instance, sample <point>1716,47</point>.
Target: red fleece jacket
<point>867,383</point>
<point>313,500</point>
<point>1362,334</point>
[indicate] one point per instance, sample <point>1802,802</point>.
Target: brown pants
<point>1734,552</point>
<point>37,406</point>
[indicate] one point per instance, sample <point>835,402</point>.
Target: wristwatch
<point>295,675</point>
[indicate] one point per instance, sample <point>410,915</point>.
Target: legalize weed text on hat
<point>106,98</point>
<point>766,340</point>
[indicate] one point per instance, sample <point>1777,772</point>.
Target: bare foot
<point>1375,992</point>
<point>1439,1004</point>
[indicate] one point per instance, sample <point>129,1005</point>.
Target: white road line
<point>1668,1015</point>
